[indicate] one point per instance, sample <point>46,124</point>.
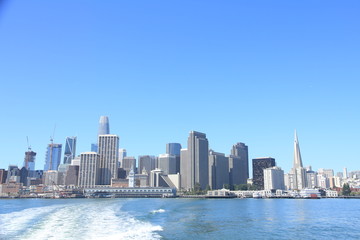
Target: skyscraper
<point>108,152</point>
<point>104,127</point>
<point>174,149</point>
<point>259,164</point>
<point>146,163</point>
<point>70,149</point>
<point>241,150</point>
<point>194,163</point>
<point>29,160</point>
<point>89,169</point>
<point>53,156</point>
<point>122,154</point>
<point>273,178</point>
<point>218,170</point>
<point>167,163</point>
<point>128,163</point>
<point>298,172</point>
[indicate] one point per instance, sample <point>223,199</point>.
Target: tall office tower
<point>345,173</point>
<point>108,152</point>
<point>238,170</point>
<point>167,163</point>
<point>311,179</point>
<point>53,156</point>
<point>89,169</point>
<point>185,169</point>
<point>3,175</point>
<point>104,127</point>
<point>241,150</point>
<point>174,149</point>
<point>259,164</point>
<point>29,160</point>
<point>24,173</point>
<point>70,149</point>
<point>146,163</point>
<point>274,178</point>
<point>195,163</point>
<point>128,163</point>
<point>218,170</point>
<point>122,154</point>
<point>298,171</point>
<point>94,147</point>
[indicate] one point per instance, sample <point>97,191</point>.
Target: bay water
<point>179,219</point>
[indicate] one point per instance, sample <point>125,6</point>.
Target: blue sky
<point>240,71</point>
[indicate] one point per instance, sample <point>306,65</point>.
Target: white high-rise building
<point>274,178</point>
<point>108,152</point>
<point>345,173</point>
<point>298,172</point>
<point>89,169</point>
<point>122,154</point>
<point>167,163</point>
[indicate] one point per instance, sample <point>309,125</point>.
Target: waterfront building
<point>241,150</point>
<point>218,170</point>
<point>194,165</point>
<point>70,149</point>
<point>167,163</point>
<point>131,178</point>
<point>259,164</point>
<point>108,154</point>
<point>53,156</point>
<point>146,162</point>
<point>122,154</point>
<point>174,149</point>
<point>89,169</point>
<point>274,178</point>
<point>29,160</point>
<point>104,126</point>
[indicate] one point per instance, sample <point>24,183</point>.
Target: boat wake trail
<point>91,220</point>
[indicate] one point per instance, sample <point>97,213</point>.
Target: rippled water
<point>179,219</point>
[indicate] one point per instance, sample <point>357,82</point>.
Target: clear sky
<point>239,71</point>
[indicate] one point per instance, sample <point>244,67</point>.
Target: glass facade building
<point>53,156</point>
<point>70,149</point>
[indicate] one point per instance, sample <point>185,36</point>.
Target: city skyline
<point>239,72</point>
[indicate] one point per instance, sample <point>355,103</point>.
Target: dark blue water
<point>179,219</point>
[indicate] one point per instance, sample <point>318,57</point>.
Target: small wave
<point>158,211</point>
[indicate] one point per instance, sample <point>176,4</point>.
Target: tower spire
<point>297,154</point>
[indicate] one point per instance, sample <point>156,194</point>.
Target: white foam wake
<point>158,211</point>
<point>20,221</point>
<point>92,220</point>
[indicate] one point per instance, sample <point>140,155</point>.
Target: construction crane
<point>28,146</point>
